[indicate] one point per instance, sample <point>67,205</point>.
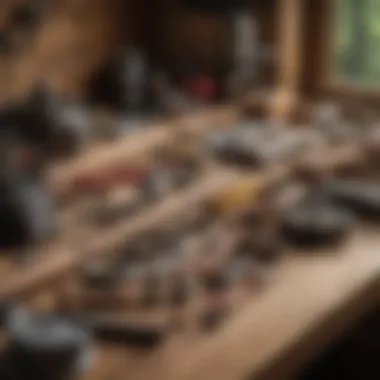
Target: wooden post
<point>289,55</point>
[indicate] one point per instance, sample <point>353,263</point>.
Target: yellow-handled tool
<point>245,192</point>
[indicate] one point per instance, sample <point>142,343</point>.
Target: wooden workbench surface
<point>311,299</point>
<point>58,256</point>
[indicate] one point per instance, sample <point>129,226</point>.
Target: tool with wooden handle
<point>108,178</point>
<point>245,191</point>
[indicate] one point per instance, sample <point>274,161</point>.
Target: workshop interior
<point>189,189</point>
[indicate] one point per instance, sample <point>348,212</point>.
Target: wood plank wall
<point>76,36</point>
<point>185,33</point>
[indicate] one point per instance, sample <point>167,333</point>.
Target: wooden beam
<point>289,46</point>
<point>289,33</point>
<point>318,46</point>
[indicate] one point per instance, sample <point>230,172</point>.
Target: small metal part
<point>26,211</point>
<point>214,281</point>
<point>158,183</point>
<point>136,334</point>
<point>361,198</point>
<point>151,289</point>
<point>179,291</point>
<point>101,274</point>
<point>327,118</point>
<point>114,205</point>
<point>211,318</point>
<point>261,248</point>
<point>239,268</point>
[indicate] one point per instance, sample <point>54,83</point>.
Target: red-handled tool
<point>107,178</point>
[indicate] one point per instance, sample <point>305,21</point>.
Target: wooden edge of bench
<point>316,299</point>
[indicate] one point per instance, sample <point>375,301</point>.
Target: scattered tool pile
<point>184,272</point>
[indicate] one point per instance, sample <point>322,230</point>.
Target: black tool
<point>46,346</point>
<point>313,221</point>
<point>102,274</point>
<point>44,120</point>
<point>115,331</point>
<point>26,207</point>
<point>228,149</point>
<point>123,84</point>
<point>151,289</point>
<point>58,126</point>
<point>266,250</point>
<point>179,292</point>
<point>56,346</point>
<point>360,198</point>
<point>27,16</point>
<point>214,281</point>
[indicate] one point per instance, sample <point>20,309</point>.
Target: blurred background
<point>189,189</point>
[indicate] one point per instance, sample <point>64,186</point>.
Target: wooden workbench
<point>312,299</point>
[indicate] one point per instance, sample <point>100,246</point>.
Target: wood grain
<point>311,300</point>
<point>279,328</point>
<point>74,38</point>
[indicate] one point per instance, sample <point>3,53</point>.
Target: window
<point>357,43</point>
